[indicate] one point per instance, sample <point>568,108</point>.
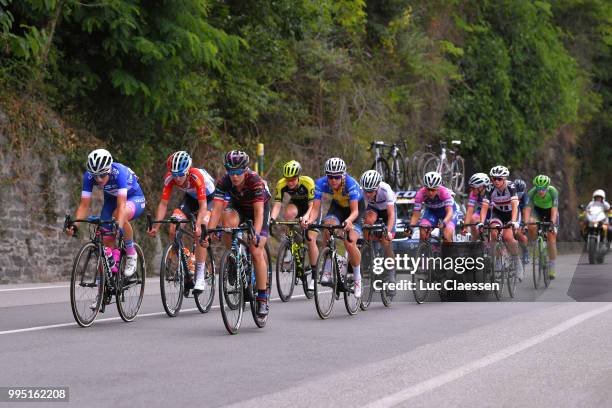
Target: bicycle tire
<point>231,292</point>
<point>285,273</point>
<point>367,287</point>
<point>544,262</point>
<point>419,293</point>
<point>458,174</point>
<point>382,166</point>
<point>95,282</point>
<point>497,277</point>
<point>171,281</point>
<point>535,267</point>
<point>424,166</point>
<point>260,321</point>
<point>204,299</point>
<point>351,302</point>
<point>129,304</point>
<point>511,276</point>
<point>323,305</point>
<point>398,171</point>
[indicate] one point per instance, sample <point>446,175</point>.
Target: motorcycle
<point>596,246</point>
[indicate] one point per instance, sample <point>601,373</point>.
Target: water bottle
<point>110,259</point>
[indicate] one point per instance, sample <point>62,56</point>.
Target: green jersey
<point>550,199</point>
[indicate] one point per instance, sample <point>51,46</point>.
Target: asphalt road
<point>544,350</point>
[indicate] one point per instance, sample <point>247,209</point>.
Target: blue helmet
<point>179,163</point>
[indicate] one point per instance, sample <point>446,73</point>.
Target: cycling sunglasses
<point>101,176</point>
<point>235,172</point>
<point>334,177</point>
<point>541,188</point>
<point>497,178</point>
<point>177,174</point>
<point>432,189</point>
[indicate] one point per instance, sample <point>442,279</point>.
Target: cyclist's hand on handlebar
<point>153,231</point>
<point>71,230</point>
<point>348,225</point>
<point>255,238</point>
<point>198,230</point>
<point>515,225</point>
<point>389,236</point>
<point>480,226</point>
<point>463,230</point>
<point>305,222</point>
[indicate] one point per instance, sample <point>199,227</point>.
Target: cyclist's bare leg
<point>258,255</point>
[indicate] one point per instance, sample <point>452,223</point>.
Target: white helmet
<point>599,193</point>
<point>479,180</point>
<point>99,162</point>
<point>179,163</point>
<point>335,165</point>
<point>499,171</point>
<point>370,180</point>
<point>432,179</point>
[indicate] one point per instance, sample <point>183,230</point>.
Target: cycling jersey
<point>523,200</point>
<point>550,199</point>
<point>349,191</point>
<point>384,197</point>
<point>475,200</point>
<point>122,182</point>
<point>253,190</point>
<point>442,199</point>
<point>302,194</point>
<point>198,184</point>
<point>501,201</point>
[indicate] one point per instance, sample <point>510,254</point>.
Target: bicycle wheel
<point>86,285</point>
<point>351,302</point>
<point>511,275</point>
<point>381,166</point>
<point>458,174</point>
<point>431,164</point>
<point>367,276</point>
<point>398,171</point>
<point>171,281</point>
<point>325,290</point>
<point>231,293</point>
<point>498,275</point>
<point>260,321</point>
<point>307,277</point>
<point>544,261</point>
<point>423,276</point>
<point>130,290</point>
<point>204,299</point>
<point>535,267</point>
<point>285,271</point>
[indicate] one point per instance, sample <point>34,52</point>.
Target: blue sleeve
<point>122,178</point>
<point>321,187</point>
<point>87,182</point>
<point>353,189</point>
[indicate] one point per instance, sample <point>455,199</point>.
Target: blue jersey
<point>122,182</point>
<point>349,191</point>
<point>523,200</point>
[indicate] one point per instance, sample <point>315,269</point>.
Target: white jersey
<point>384,197</point>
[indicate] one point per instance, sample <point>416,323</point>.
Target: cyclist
<point>198,187</point>
<point>544,206</point>
<point>347,206</point>
<point>599,196</point>
<point>123,201</point>
<point>439,206</point>
<point>503,200</point>
<point>521,192</point>
<point>301,190</point>
<point>243,195</point>
<point>478,189</point>
<point>380,200</point>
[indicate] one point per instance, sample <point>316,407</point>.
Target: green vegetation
<point>313,78</point>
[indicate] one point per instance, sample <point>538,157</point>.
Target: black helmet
<point>236,159</point>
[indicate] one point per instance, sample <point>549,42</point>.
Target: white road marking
<point>457,373</point>
<point>108,319</point>
<point>35,288</point>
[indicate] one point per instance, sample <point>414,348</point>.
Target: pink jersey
<point>443,198</point>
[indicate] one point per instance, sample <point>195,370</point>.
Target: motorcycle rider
<point>599,198</point>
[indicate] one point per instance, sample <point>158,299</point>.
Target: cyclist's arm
<point>83,209</point>
<point>468,214</point>
<point>307,214</point>
<point>258,210</point>
<point>554,213</point>
<point>121,210</point>
<point>390,217</point>
<point>162,207</point>
<point>449,214</point>
<point>515,210</point>
<point>354,206</point>
<point>314,211</point>
<point>215,217</point>
<point>276,209</point>
<point>201,217</point>
<point>415,217</point>
<point>483,211</point>
<point>526,213</point>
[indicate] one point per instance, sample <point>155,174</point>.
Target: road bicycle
<point>371,249</point>
<point>503,264</point>
<point>297,269</point>
<point>333,276</point>
<point>176,271</point>
<point>93,283</point>
<point>392,168</point>
<point>453,173</point>
<point>237,283</point>
<point>426,276</point>
<point>539,251</point>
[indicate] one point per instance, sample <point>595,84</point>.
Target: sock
<point>129,247</point>
<point>200,270</point>
<point>357,272</point>
<point>262,295</point>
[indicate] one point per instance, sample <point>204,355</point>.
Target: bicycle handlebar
<point>171,220</point>
<point>245,226</point>
<point>330,227</point>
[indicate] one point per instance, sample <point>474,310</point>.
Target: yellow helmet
<point>291,169</point>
